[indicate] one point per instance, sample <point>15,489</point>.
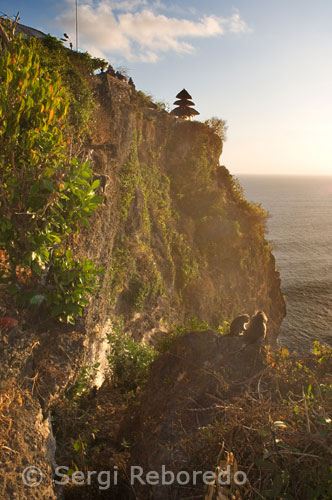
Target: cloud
<point>134,30</point>
<point>237,25</point>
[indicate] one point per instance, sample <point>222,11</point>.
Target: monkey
<point>256,329</point>
<point>238,325</point>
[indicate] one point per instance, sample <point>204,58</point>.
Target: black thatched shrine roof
<point>184,112</point>
<point>184,107</point>
<point>183,95</point>
<point>184,102</point>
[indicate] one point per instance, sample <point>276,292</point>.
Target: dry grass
<point>7,398</point>
<point>279,432</point>
<point>11,398</point>
<point>276,429</point>
<point>85,430</point>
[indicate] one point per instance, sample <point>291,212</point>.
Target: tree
<point>218,126</point>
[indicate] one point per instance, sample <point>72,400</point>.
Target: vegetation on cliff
<point>186,229</point>
<point>46,193</point>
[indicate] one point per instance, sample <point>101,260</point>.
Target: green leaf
<point>9,76</point>
<point>98,199</point>
<point>37,299</point>
<point>95,184</point>
<point>77,445</point>
<point>86,173</point>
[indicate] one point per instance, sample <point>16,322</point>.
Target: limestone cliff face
<point>176,236</point>
<point>177,240</point>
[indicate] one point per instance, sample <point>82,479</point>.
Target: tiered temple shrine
<point>184,105</point>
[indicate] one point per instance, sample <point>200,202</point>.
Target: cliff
<point>177,241</point>
<point>175,234</point>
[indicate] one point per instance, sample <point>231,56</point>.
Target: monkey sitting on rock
<point>257,328</point>
<point>238,325</point>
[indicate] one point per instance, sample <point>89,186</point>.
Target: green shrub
<point>75,70</point>
<point>224,328</point>
<point>83,381</point>
<point>218,126</point>
<point>73,280</point>
<point>129,360</point>
<point>45,197</point>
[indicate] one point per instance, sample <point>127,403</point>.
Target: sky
<point>264,66</point>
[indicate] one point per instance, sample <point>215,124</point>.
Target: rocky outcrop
<point>187,390</point>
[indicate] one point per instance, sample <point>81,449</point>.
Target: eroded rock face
<point>35,370</point>
<point>27,448</point>
<point>186,388</point>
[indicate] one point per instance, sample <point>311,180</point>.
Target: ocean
<point>300,232</point>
